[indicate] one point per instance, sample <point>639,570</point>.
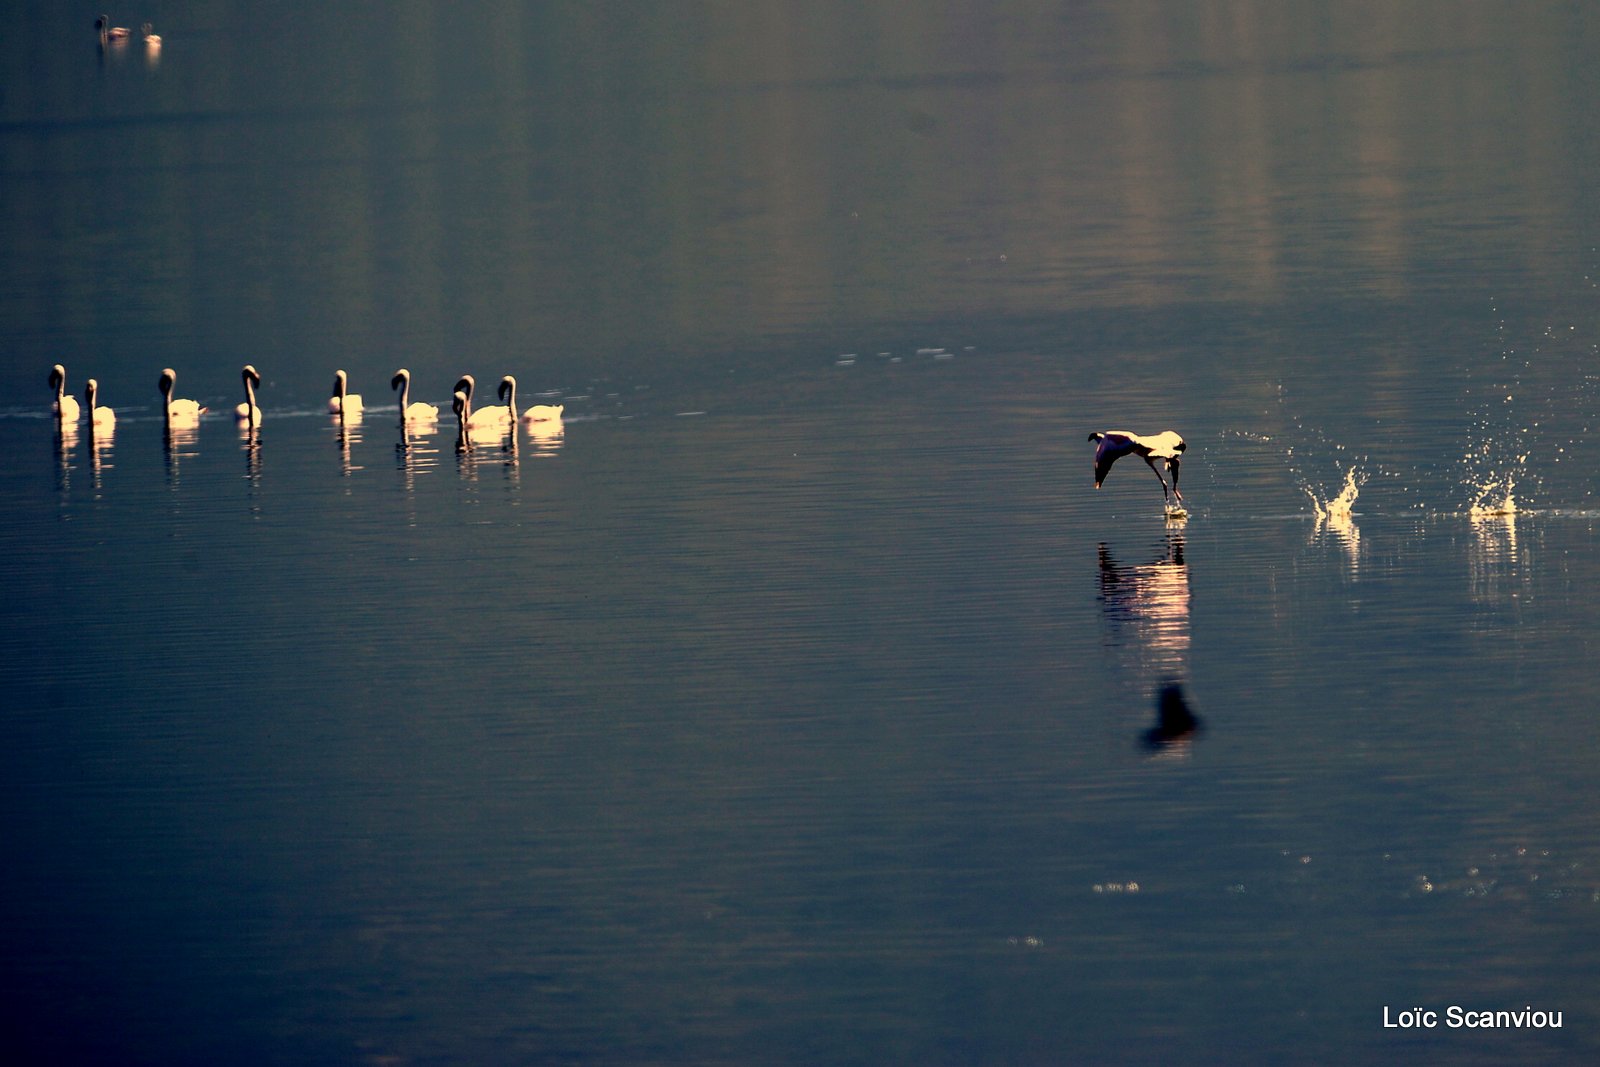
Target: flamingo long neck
<point>249,401</point>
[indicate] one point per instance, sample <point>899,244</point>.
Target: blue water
<point>797,702</point>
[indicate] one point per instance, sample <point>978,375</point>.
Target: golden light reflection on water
<point>349,429</point>
<point>1335,517</point>
<point>547,437</point>
<point>182,441</point>
<point>1147,609</point>
<point>101,438</point>
<point>66,441</point>
<point>416,451</point>
<point>1494,562</point>
<point>250,445</point>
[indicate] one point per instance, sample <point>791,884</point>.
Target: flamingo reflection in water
<point>1147,609</point>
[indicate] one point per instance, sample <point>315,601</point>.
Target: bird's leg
<point>1172,465</point>
<point>1165,495</point>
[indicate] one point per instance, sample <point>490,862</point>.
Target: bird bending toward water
<point>247,412</point>
<point>184,413</point>
<point>410,412</point>
<point>65,408</point>
<point>1163,448</point>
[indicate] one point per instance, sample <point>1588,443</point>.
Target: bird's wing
<point>1113,446</point>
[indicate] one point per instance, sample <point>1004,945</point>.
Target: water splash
<point>1335,515</point>
<point>1337,509</point>
<point>1496,498</point>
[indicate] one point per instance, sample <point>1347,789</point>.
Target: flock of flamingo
<point>180,413</point>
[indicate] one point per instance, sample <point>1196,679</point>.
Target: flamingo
<point>99,418</point>
<point>1165,446</point>
<point>247,412</point>
<point>109,33</point>
<point>341,403</point>
<point>537,413</point>
<point>65,408</point>
<point>409,412</point>
<point>178,413</point>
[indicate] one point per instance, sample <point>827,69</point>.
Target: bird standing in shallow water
<point>1164,447</point>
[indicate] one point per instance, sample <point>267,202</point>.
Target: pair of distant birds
<point>117,34</point>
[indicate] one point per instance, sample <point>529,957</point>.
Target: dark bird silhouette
<point>1164,448</point>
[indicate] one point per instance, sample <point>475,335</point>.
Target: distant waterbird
<point>342,402</point>
<point>178,413</point>
<point>110,34</point>
<point>64,407</point>
<point>410,412</point>
<point>152,39</point>
<point>247,412</point>
<point>1160,450</point>
<point>99,418</point>
<point>536,413</point>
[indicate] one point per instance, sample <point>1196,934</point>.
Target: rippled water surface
<point>798,699</point>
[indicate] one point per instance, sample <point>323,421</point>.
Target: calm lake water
<point>797,700</point>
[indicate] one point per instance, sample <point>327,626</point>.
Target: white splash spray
<point>1337,509</point>
<point>1496,497</point>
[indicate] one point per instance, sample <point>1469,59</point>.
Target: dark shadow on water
<point>1176,724</point>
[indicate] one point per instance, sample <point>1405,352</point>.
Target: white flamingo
<point>178,413</point>
<point>537,413</point>
<point>345,404</point>
<point>409,412</point>
<point>64,408</point>
<point>99,418</point>
<point>247,412</point>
